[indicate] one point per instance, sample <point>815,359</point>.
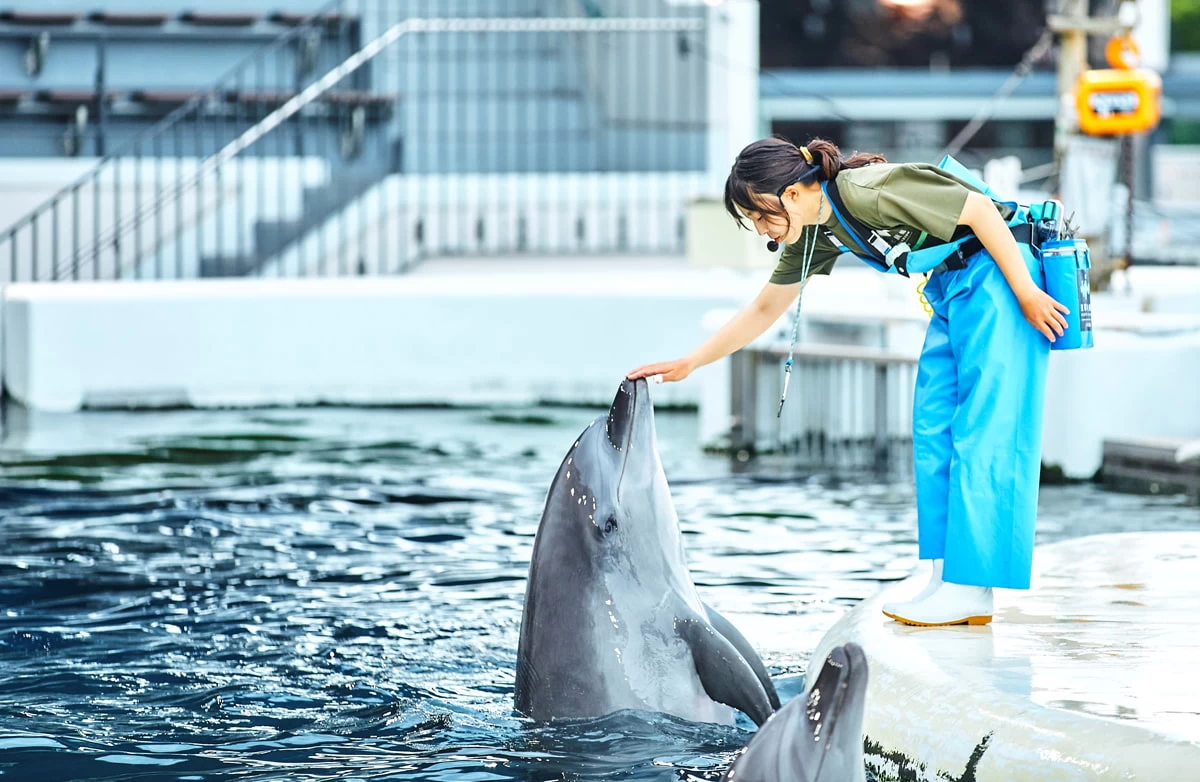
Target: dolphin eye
<point>610,526</point>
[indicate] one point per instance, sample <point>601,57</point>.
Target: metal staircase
<point>469,101</point>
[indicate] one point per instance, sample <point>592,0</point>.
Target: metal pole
<point>75,233</point>
<point>116,230</point>
<point>33,246</point>
<point>101,58</point>
<point>137,211</point>
<point>881,415</point>
<point>1072,60</point>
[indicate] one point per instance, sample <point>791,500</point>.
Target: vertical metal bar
<point>544,161</point>
<point>322,124</point>
<point>626,67</point>
<point>158,207</point>
<point>179,203</point>
<point>343,123</point>
<point>116,230</point>
<point>383,132</point>
<point>33,229</point>
<point>737,400</point>
<point>422,236</point>
<point>260,145</point>
<point>96,226</point>
<point>198,221</point>
<point>218,213</point>
<point>240,220</point>
<point>570,235</point>
<point>361,82</point>
<point>461,146</point>
<point>750,402</point>
<point>12,260</point>
<point>54,240</point>
<point>310,128</point>
<point>75,233</point>
<point>137,210</point>
<point>101,108</point>
<point>442,94</point>
<point>359,196</point>
<point>298,148</point>
<point>881,414</point>
<point>673,136</point>
<point>281,162</point>
<point>610,142</point>
<point>649,168</point>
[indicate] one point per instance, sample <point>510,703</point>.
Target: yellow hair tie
<point>807,155</point>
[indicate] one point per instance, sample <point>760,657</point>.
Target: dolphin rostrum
<point>612,620</point>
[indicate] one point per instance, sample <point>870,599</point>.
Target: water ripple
<point>336,594</point>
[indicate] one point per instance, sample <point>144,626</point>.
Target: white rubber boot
<point>935,580</point>
<point>949,604</point>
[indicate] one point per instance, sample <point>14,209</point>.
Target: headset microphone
<point>772,245</point>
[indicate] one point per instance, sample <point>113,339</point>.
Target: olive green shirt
<point>899,200</point>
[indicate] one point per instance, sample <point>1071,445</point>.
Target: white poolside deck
<point>1093,674</point>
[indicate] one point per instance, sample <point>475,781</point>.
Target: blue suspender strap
<point>949,256</point>
<point>853,227</point>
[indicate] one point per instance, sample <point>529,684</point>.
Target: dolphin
<point>612,620</point>
<point>817,737</point>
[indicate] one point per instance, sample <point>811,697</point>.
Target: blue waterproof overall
<point>977,417</point>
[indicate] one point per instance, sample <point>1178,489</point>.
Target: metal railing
<point>847,405</point>
<point>62,237</point>
<point>588,138</point>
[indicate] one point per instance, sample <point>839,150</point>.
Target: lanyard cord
<point>810,245</point>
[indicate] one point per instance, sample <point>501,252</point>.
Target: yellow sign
<point>1119,101</point>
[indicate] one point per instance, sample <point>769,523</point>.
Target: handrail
<point>367,53</point>
<point>158,129</point>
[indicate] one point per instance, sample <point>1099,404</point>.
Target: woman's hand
<point>669,370</point>
<point>1044,313</point>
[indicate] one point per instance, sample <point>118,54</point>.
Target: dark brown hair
<point>769,165</point>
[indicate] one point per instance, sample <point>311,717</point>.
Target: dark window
<point>800,132</point>
<point>876,33</point>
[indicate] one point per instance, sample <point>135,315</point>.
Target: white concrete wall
<point>1140,381</point>
<point>456,338</point>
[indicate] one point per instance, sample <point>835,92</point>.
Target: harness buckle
<point>897,256</point>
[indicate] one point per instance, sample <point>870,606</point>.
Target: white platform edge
<point>928,717</point>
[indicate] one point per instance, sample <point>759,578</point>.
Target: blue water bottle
<point>1067,264</point>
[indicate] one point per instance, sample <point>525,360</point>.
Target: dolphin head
<point>611,491</point>
<point>612,620</point>
<point>818,736</point>
<point>608,575</point>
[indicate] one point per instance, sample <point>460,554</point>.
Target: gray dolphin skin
<point>612,620</point>
<point>817,737</point>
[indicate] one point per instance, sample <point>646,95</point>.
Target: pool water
<point>336,593</point>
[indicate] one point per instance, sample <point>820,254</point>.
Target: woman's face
<point>801,203</point>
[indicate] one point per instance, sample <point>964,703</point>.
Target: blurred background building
<point>149,139</point>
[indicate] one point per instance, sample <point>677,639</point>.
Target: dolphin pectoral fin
<point>726,628</point>
<point>725,675</point>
